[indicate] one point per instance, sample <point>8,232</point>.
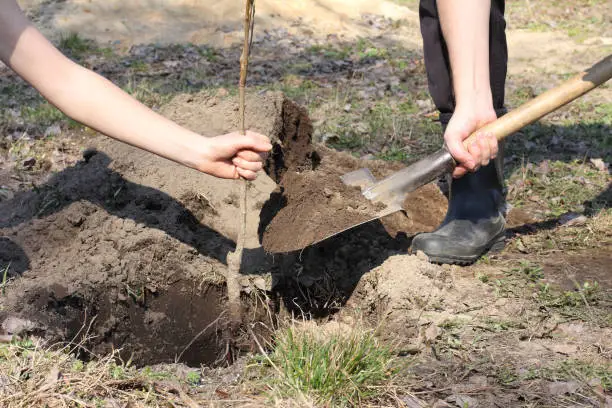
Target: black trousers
<point>437,62</point>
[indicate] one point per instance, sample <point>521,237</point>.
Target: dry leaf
<point>572,219</point>
<point>431,333</point>
<point>520,246</point>
<point>441,404</point>
<point>260,283</point>
<point>222,394</point>
<point>566,349</point>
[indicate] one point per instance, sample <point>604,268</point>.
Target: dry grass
<point>35,375</point>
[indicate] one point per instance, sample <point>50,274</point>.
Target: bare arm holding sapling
<point>96,102</point>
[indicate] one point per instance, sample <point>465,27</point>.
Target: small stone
<point>15,325</point>
<point>600,165</point>
<point>76,220</point>
<point>463,401</point>
<point>479,380</point>
<point>431,333</point>
<point>53,130</point>
<point>413,402</point>
<point>29,162</point>
<point>6,194</point>
<point>171,64</point>
<point>562,387</point>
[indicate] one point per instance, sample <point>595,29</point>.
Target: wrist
<point>474,100</point>
<point>193,150</point>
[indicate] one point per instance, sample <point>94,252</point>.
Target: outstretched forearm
<point>465,26</point>
<point>87,97</point>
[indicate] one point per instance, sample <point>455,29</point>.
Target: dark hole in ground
<point>181,324</point>
<point>13,260</point>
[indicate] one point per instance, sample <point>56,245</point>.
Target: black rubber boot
<point>474,223</point>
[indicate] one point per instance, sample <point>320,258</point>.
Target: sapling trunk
<point>234,259</point>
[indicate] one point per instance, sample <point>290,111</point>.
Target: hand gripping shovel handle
<point>433,166</point>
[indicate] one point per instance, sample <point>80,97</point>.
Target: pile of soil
<point>128,250</point>
<point>316,204</point>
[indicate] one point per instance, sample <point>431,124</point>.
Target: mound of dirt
<point>129,250</point>
<point>125,249</point>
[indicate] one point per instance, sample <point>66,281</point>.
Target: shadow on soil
<point>318,279</point>
<point>91,180</point>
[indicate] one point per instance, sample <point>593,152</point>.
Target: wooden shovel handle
<point>548,102</point>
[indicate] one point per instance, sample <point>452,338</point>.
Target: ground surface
<point>125,249</point>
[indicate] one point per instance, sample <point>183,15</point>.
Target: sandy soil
<point>207,22</point>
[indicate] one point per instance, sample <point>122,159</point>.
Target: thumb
<point>459,152</point>
<point>253,141</point>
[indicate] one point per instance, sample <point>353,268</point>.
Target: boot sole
<point>496,246</point>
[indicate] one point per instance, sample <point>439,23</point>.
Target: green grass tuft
<point>42,115</point>
<point>335,368</point>
<point>75,45</point>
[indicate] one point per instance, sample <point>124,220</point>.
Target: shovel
<point>392,190</point>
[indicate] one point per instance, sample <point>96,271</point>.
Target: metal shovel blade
<point>391,191</point>
<point>364,179</point>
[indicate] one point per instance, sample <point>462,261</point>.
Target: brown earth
<point>128,250</point>
<point>316,204</point>
<point>126,240</point>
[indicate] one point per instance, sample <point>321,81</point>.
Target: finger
<point>459,172</point>
<point>257,136</point>
<point>252,156</point>
<point>474,149</point>
<point>459,153</point>
<point>493,144</point>
<point>485,149</point>
<point>247,165</point>
<point>247,174</point>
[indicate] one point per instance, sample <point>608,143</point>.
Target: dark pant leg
<point>437,62</point>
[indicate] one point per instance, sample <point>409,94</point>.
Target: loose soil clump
<point>317,204</point>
